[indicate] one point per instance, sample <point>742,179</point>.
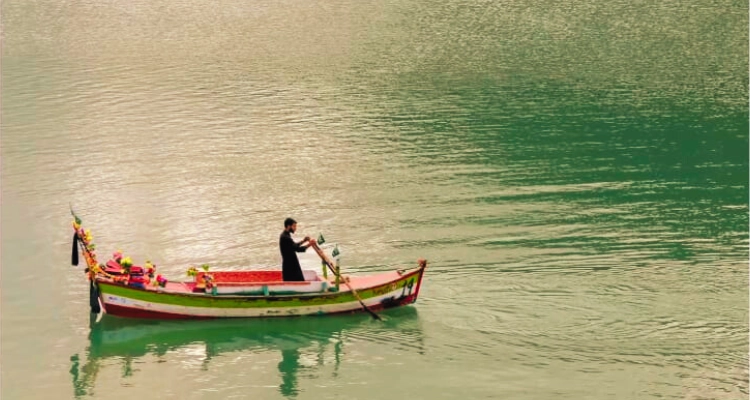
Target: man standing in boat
<point>290,268</point>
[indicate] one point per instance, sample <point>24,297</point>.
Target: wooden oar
<point>329,263</point>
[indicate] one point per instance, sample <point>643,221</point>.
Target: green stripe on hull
<point>230,301</point>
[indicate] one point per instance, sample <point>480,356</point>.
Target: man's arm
<point>300,248</point>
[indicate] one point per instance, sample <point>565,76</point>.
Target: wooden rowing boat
<point>122,289</point>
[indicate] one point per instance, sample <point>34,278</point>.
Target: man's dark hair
<point>289,222</point>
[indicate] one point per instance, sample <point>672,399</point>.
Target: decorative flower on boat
<point>209,280</point>
<point>149,268</point>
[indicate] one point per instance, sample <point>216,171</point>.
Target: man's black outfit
<point>290,268</point>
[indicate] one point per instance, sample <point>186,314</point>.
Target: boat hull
<point>379,291</point>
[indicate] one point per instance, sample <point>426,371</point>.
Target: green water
<point>576,174</point>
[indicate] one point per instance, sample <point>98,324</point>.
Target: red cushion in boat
<point>243,276</point>
<point>136,270</point>
<point>138,279</point>
<point>113,268</point>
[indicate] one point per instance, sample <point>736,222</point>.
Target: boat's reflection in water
<point>127,340</point>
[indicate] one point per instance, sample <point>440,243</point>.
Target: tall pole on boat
<point>329,263</point>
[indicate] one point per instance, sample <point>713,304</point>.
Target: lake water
<point>575,172</point>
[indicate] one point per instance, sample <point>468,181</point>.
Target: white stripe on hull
<point>312,287</point>
<point>246,312</point>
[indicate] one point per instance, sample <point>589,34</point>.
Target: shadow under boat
<point>128,340</point>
